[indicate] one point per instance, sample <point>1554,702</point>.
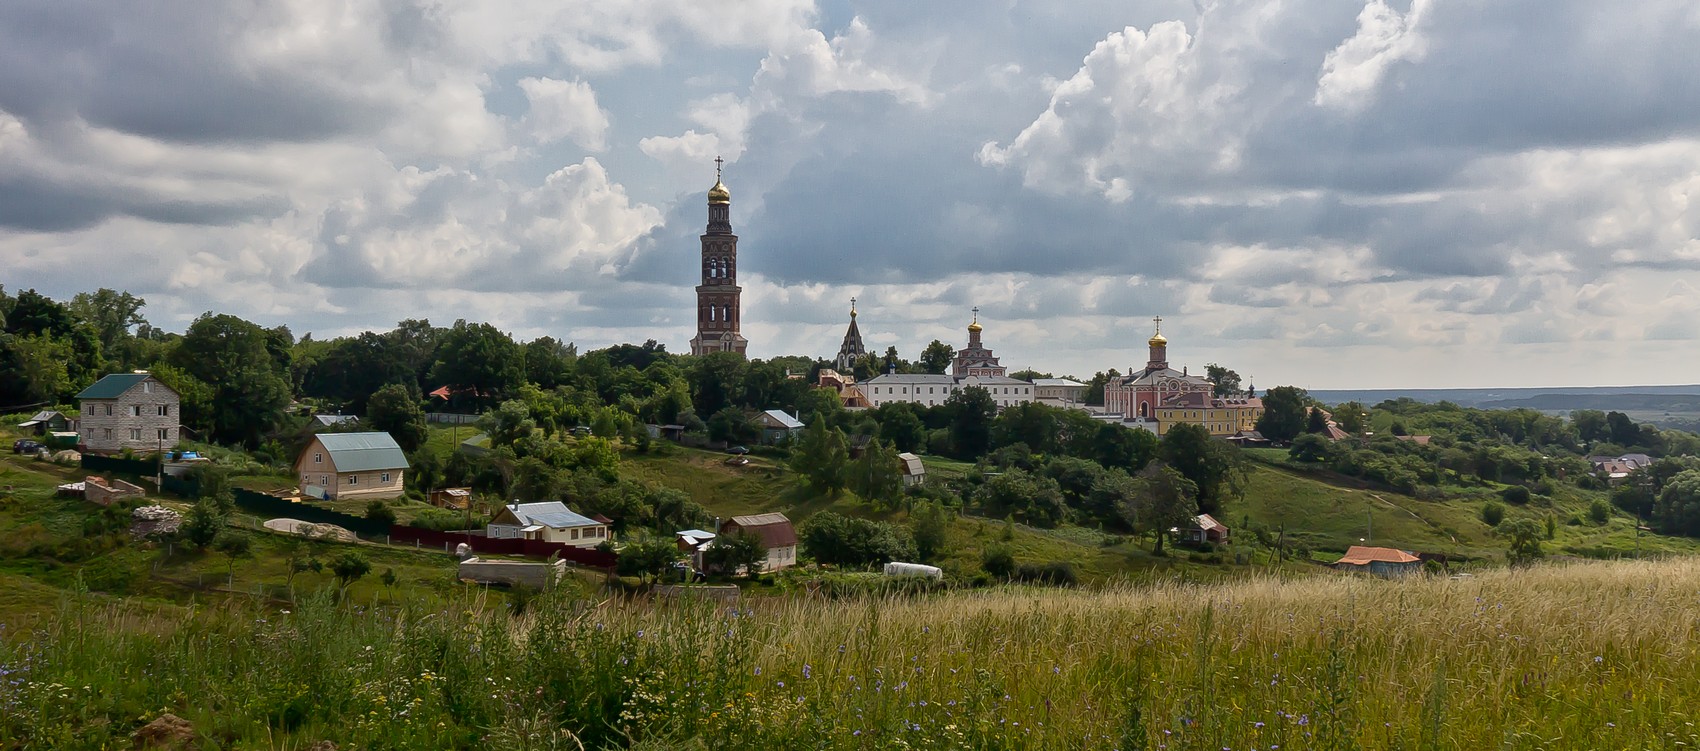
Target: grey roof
<point>1056,382</point>
<point>114,386</point>
<point>913,378</point>
<point>329,420</point>
<point>363,452</point>
<point>912,464</point>
<point>784,420</point>
<point>997,380</point>
<point>552,514</point>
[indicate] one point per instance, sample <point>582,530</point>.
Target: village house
<point>914,472</point>
<point>352,465</point>
<point>1386,563</point>
<point>548,521</point>
<point>1204,529</point>
<point>777,426</point>
<point>128,411</point>
<point>776,535</point>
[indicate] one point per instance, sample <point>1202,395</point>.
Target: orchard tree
<point>1166,500</point>
<point>1524,536</point>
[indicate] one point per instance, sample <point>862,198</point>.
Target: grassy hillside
<point>1581,656</point>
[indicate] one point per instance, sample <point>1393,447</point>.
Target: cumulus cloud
<point>565,109</point>
<point>1351,71</point>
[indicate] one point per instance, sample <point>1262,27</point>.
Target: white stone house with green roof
<point>128,411</point>
<point>351,465</point>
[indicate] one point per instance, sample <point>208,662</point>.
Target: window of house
<point>108,410</point>
<point>164,410</point>
<point>109,434</point>
<point>324,479</point>
<point>318,458</point>
<point>385,477</point>
<point>135,434</point>
<point>575,534</point>
<point>165,434</point>
<point>354,479</point>
<point>147,387</point>
<point>135,410</point>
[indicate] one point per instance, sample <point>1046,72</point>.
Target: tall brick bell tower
<point>719,313</point>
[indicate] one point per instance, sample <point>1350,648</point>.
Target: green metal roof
<point>112,386</point>
<point>363,452</point>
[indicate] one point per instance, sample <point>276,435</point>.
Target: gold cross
<point>717,163</point>
<point>976,314</point>
<point>1159,320</point>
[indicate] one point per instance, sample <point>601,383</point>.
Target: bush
<point>1599,511</point>
<point>1516,495</point>
<point>1493,514</point>
<point>1055,573</point>
<point>378,511</point>
<point>998,561</point>
<point>440,520</point>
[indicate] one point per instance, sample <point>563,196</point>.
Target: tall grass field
<point>1584,656</point>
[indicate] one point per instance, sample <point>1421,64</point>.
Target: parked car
<point>27,446</point>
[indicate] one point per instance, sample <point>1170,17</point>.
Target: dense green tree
<point>1350,417</point>
<point>1095,387</point>
<point>1624,431</point>
<point>234,358</point>
<point>380,512</point>
<point>817,404</point>
<point>733,425</point>
<point>34,370</point>
<point>508,423</point>
<point>1284,413</point>
<point>1215,467</point>
<point>831,538</point>
<point>1034,499</point>
<point>1315,423</point>
<point>480,359</point>
<point>348,371</point>
<point>395,409</point>
<point>1591,425</point>
<point>1310,447</point>
<point>1118,447</point>
<point>971,412</point>
<point>1678,509</point>
<point>1166,500</point>
<point>901,426</point>
<point>549,362</point>
<point>822,457</point>
<point>930,526</point>
<point>1224,382</point>
<point>1112,492</point>
<point>716,380</point>
<point>1032,423</point>
<point>937,358</point>
<point>877,474</point>
<point>112,314</point>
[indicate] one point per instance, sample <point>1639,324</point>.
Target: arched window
<point>1143,409</point>
<point>711,312</point>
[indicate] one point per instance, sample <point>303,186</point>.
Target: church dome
<point>974,327</point>
<point>1157,339</point>
<point>719,193</point>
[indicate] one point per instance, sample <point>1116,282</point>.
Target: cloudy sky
<point>1329,193</point>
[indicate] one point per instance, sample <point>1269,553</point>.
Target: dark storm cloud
<point>177,71</point>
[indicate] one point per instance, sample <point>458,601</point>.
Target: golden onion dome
<point>719,193</point>
<point>1157,339</point>
<point>974,327</point>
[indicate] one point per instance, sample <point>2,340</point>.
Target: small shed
<point>914,472</point>
<point>455,498</point>
<point>549,521</point>
<point>1204,528</point>
<point>44,422</point>
<point>776,426</point>
<point>1386,563</point>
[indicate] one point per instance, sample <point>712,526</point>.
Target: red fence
<point>400,535</point>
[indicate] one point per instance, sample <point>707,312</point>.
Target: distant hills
<point>1667,406</point>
